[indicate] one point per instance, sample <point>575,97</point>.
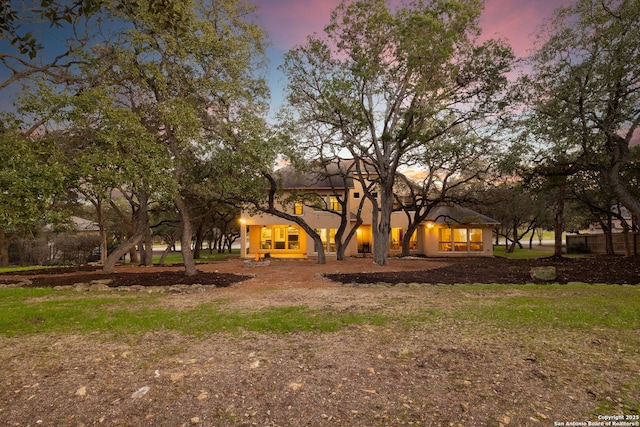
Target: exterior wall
<point>426,241</point>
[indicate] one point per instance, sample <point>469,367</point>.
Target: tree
<point>29,27</point>
<point>191,85</point>
<point>519,210</point>
<point>384,84</point>
<point>32,179</point>
<point>449,169</point>
<point>187,87</point>
<point>585,89</point>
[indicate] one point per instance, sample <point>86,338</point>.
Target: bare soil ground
<point>440,373</point>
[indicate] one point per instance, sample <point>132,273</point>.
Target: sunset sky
<point>289,22</point>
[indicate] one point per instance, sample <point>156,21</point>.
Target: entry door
<point>364,239</point>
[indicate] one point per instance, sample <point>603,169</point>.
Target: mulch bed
<point>596,269</point>
<point>84,274</point>
<point>601,269</point>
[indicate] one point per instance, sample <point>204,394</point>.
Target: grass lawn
<point>205,256</point>
<point>466,354</point>
<point>535,252</point>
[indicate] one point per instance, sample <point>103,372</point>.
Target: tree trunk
<point>558,221</point>
<point>406,239</point>
<point>146,254</point>
<point>515,240</point>
<point>110,264</point>
<point>199,240</point>
<point>185,240</point>
<point>170,246</point>
<point>4,249</point>
<point>608,237</point>
<point>625,236</point>
<point>382,227</point>
<point>531,239</point>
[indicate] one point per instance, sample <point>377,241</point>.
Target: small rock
<point>257,364</point>
<point>546,274</point>
<point>80,287</point>
<point>140,392</point>
<point>99,287</point>
<point>294,386</point>
<point>195,420</point>
<point>177,376</point>
<point>101,282</point>
<point>81,391</point>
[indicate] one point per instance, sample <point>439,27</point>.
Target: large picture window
<point>280,237</point>
<point>460,240</point>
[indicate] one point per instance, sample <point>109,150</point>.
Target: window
<point>293,235</point>
<point>397,234</point>
<point>334,204</point>
<point>298,208</point>
<point>460,240</point>
<point>328,237</point>
<point>444,244</point>
<point>475,240</point>
<point>356,195</point>
<point>280,237</point>
<point>266,238</point>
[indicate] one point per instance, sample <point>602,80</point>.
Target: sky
<point>289,22</point>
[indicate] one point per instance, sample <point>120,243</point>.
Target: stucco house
<point>449,230</point>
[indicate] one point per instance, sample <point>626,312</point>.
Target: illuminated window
<point>266,238</point>
<point>298,208</point>
<point>334,204</point>
<point>475,240</point>
<point>460,240</point>
<point>280,237</point>
<point>444,244</point>
<point>293,235</point>
<point>328,237</point>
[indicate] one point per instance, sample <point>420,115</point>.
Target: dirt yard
<point>436,373</point>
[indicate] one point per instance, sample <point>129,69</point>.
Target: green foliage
<point>32,181</point>
<point>385,83</point>
<point>583,97</point>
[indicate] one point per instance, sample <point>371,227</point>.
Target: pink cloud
<point>518,21</point>
<point>289,22</point>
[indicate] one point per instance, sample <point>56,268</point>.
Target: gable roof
<point>334,177</point>
<point>455,214</point>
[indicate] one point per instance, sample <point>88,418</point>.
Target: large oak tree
<point>384,82</point>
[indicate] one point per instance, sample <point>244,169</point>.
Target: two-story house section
<point>449,230</point>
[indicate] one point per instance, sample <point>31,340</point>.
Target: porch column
<point>243,238</point>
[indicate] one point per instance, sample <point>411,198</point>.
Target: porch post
<point>243,238</point>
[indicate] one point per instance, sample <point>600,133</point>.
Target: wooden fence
<point>595,243</point>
